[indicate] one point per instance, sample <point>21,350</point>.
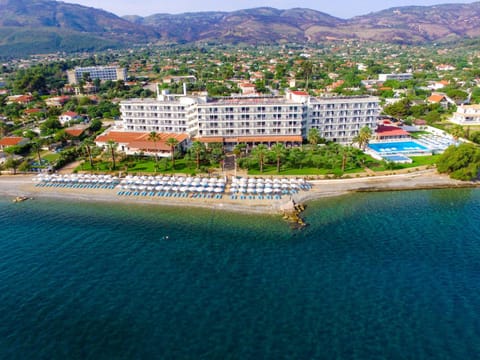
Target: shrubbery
<point>461,162</point>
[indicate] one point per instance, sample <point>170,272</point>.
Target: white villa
<point>467,115</point>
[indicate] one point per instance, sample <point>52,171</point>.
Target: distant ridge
<point>39,26</point>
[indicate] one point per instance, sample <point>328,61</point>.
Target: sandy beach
<point>22,185</point>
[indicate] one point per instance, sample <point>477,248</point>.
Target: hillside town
<point>331,110</point>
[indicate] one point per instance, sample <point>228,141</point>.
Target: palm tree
<point>278,150</point>
<point>112,146</point>
<point>37,146</point>
<point>87,144</point>
<point>260,152</point>
<point>172,142</point>
<point>154,137</point>
<point>313,136</point>
<point>363,137</point>
<point>198,148</point>
<point>346,154</point>
<point>237,152</point>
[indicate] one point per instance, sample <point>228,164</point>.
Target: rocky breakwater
<point>291,213</point>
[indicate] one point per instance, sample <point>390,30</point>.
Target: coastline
<point>22,185</point>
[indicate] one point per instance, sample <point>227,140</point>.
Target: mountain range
<point>41,26</point>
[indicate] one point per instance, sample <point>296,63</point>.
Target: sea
<point>391,275</point>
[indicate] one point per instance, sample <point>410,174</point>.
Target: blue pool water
<point>397,158</point>
<point>397,147</point>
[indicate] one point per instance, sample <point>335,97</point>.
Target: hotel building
<point>254,119</point>
<point>399,77</point>
<point>103,73</point>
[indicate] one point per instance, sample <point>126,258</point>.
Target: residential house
<point>68,116</point>
<point>19,99</point>
<point>57,101</point>
<point>467,115</point>
<point>439,99</point>
<point>13,141</point>
<point>247,88</point>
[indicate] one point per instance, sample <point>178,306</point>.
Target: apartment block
<point>103,73</point>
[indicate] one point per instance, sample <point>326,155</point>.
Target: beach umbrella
<point>158,188</point>
<point>268,190</point>
<point>219,190</point>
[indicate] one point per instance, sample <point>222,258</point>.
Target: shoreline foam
<point>22,185</point>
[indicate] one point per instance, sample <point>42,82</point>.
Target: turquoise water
<point>374,276</point>
<point>397,147</point>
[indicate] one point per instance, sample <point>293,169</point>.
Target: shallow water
<point>373,276</point>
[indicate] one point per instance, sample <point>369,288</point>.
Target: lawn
<point>51,157</point>
<point>142,165</point>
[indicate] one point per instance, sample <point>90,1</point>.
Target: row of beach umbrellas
<point>76,178</point>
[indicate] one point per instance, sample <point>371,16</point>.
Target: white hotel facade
<point>252,120</point>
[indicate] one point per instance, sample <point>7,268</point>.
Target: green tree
<point>457,132</point>
<point>363,137</point>
<point>154,137</point>
<point>88,144</point>
<point>50,126</point>
<point>112,147</point>
<point>461,162</point>
<point>313,137</point>
<point>95,125</point>
<point>172,142</point>
<point>278,151</point>
<point>307,69</point>
<point>198,148</point>
<point>13,164</point>
<point>260,152</point>
<point>36,147</point>
<point>238,150</point>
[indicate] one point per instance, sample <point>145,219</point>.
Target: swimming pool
<point>400,159</point>
<point>398,147</point>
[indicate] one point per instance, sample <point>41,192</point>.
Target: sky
<point>339,8</point>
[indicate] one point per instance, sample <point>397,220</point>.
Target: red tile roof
<point>139,140</point>
<point>70,113</point>
<point>387,131</point>
<point>301,93</point>
<point>11,141</point>
<point>32,111</point>
<point>74,132</point>
<point>436,98</point>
